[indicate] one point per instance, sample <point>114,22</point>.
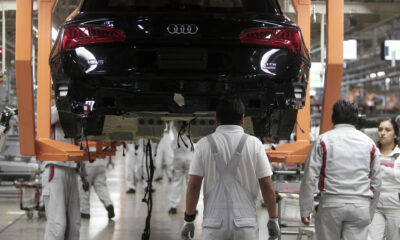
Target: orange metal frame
<point>43,147</point>
<point>334,64</point>
<point>296,152</point>
<point>47,149</point>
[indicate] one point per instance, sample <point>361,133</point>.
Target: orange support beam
<point>23,66</point>
<point>48,149</point>
<point>303,19</point>
<point>297,152</point>
<point>44,82</point>
<point>52,150</point>
<point>334,69</point>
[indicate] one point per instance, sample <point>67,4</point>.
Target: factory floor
<point>129,221</point>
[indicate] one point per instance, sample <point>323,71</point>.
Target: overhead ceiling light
<point>380,74</point>
<point>372,75</point>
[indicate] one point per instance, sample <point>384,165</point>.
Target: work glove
<point>187,231</point>
<point>273,228</point>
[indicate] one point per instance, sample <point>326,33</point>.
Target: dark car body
<point>122,67</point>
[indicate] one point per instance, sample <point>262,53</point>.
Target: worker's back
<point>347,156</point>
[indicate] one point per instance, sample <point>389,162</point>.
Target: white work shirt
<point>253,165</point>
<point>390,172</point>
<point>343,163</point>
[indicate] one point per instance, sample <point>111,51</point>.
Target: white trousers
<point>345,221</point>
<point>385,225</point>
<point>180,178</point>
<point>132,170</point>
<point>61,200</point>
<point>163,162</point>
<point>250,233</point>
<point>96,178</point>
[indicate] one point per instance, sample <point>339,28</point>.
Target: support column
<point>302,8</point>
<point>23,55</point>
<point>296,152</point>
<point>43,74</point>
<point>334,64</point>
<point>3,47</point>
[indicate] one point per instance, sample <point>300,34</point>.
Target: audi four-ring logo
<point>182,29</point>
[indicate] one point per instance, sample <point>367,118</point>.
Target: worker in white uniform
<point>133,154</point>
<point>343,161</point>
<point>386,220</point>
<point>234,166</point>
<point>135,160</point>
<point>60,192</point>
<point>183,154</point>
<point>96,177</point>
<point>165,154</point>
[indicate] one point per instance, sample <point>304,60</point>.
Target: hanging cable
<point>148,192</point>
<point>190,134</point>
<point>109,146</point>
<point>182,131</point>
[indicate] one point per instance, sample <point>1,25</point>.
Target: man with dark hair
<point>234,166</point>
<point>345,112</point>
<point>343,162</point>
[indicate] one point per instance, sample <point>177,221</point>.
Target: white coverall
<point>344,162</point>
<point>135,160</point>
<point>182,158</point>
<point>386,221</point>
<point>132,161</point>
<point>96,177</point>
<point>60,192</point>
<point>231,168</point>
<point>165,155</point>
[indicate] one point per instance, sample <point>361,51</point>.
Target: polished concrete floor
<point>128,223</point>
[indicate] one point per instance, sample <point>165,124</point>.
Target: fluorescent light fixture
<point>380,74</point>
<point>391,50</point>
<point>372,75</point>
<point>350,49</point>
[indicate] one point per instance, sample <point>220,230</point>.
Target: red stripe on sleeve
<point>372,154</point>
<point>323,167</point>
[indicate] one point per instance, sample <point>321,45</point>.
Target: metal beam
<point>304,22</point>
<point>23,56</point>
<point>382,8</point>
<point>334,60</point>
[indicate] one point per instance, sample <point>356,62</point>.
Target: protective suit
<point>183,154</point>
<point>165,154</point>
<point>135,160</point>
<point>96,177</point>
<point>343,162</point>
<point>60,192</point>
<point>133,155</point>
<point>386,221</point>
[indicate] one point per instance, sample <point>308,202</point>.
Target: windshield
<point>259,6</point>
